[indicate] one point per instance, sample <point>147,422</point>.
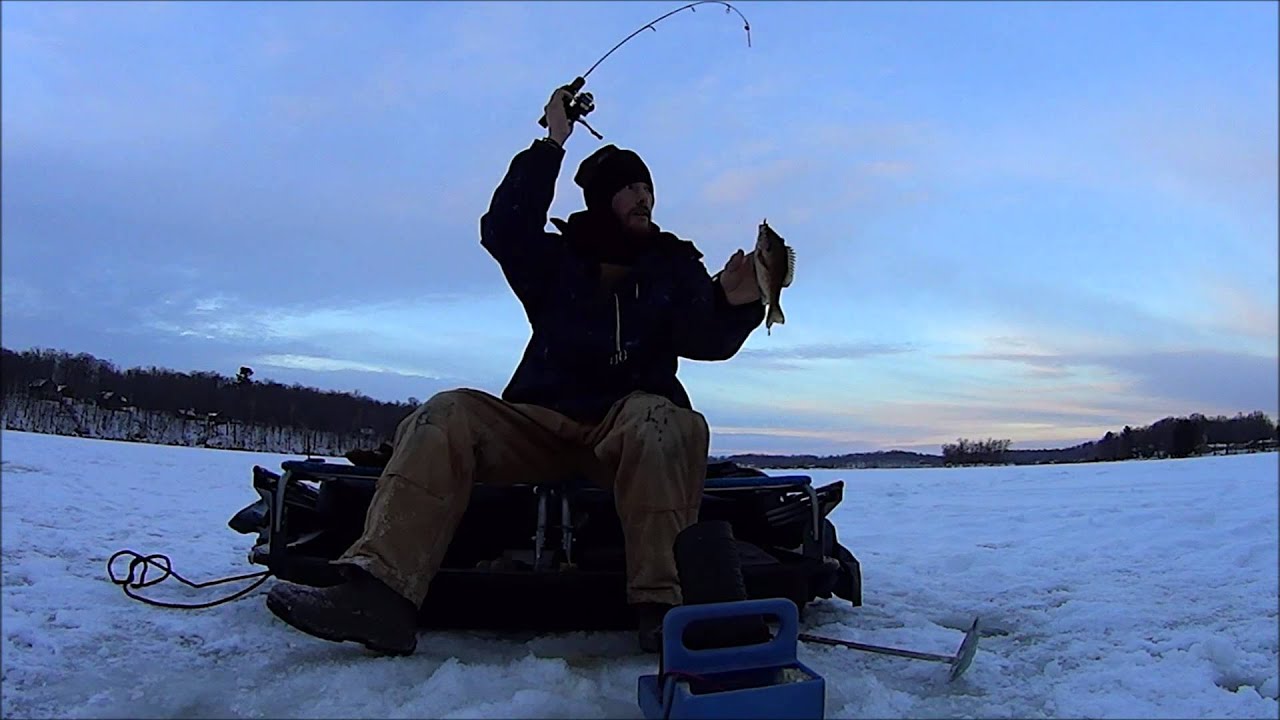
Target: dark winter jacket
<point>590,347</point>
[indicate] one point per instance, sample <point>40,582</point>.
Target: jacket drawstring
<point>619,355</point>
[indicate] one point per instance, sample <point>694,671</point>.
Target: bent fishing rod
<point>578,105</point>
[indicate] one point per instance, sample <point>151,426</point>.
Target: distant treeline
<point>1171,437</point>
<point>88,419</point>
<point>239,400</point>
<point>203,395</point>
<point>975,452</point>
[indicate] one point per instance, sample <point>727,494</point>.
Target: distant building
<point>49,390</point>
<point>111,400</point>
<point>43,388</point>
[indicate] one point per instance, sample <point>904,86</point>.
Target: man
<point>613,302</point>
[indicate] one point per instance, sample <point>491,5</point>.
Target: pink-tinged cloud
<point>742,185</point>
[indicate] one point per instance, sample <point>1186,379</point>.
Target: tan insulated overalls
<point>650,453</point>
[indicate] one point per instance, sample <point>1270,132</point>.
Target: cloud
<point>221,187</point>
<point>1032,384</point>
<point>332,364</point>
<point>1059,420</point>
<point>481,47</point>
<point>872,163</point>
<point>446,336</point>
<point>793,425</point>
<point>1181,382</point>
<point>1195,146</point>
<point>1233,309</point>
<point>814,193</point>
<point>1204,380</point>
<point>277,46</point>
<point>890,169</point>
<point>19,297</point>
<point>276,235</point>
<point>1204,152</point>
<point>209,304</point>
<point>213,330</point>
<point>1037,366</point>
<point>1053,420</point>
<point>1046,305</point>
<point>379,385</point>
<point>745,184</point>
<point>876,137</point>
<point>793,358</point>
<point>289,110</point>
<point>33,47</point>
<point>730,440</point>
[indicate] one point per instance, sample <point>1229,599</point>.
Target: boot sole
<point>280,610</point>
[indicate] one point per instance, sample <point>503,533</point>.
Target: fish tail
<point>776,316</point>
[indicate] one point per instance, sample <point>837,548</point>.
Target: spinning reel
<point>577,106</point>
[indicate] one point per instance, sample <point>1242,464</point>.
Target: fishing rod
<point>579,104</point>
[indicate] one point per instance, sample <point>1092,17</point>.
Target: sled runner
<point>550,557</point>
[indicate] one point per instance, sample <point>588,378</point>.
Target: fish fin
<point>791,268</point>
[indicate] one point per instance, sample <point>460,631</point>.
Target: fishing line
<point>650,26</point>
<point>578,105</point>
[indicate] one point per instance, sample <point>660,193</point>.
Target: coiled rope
<point>137,579</point>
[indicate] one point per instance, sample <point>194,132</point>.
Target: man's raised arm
<point>513,228</point>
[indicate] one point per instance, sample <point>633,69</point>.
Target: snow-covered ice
<point>1138,589</point>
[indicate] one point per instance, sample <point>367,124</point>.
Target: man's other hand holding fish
<point>738,279</point>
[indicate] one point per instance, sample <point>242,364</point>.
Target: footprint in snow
<point>13,467</point>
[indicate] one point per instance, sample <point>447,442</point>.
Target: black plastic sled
<point>550,558</point>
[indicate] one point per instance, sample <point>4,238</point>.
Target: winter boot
<point>710,569</point>
<point>649,617</point>
<point>363,609</point>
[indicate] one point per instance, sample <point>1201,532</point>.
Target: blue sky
<point>1039,221</point>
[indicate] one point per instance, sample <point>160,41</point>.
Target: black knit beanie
<point>608,170</point>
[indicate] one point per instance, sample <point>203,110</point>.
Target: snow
<point>1137,589</point>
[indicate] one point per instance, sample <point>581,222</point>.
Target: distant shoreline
<point>287,439</point>
<point>55,392</point>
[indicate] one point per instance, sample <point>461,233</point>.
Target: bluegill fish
<point>775,267</point>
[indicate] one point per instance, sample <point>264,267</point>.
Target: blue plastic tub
<point>750,681</point>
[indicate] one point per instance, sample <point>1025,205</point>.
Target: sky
<point>1034,221</point>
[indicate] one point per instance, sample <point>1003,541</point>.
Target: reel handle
<point>573,89</point>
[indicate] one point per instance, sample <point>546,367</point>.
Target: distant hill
<point>906,459</point>
<point>879,459</point>
<point>1169,437</point>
